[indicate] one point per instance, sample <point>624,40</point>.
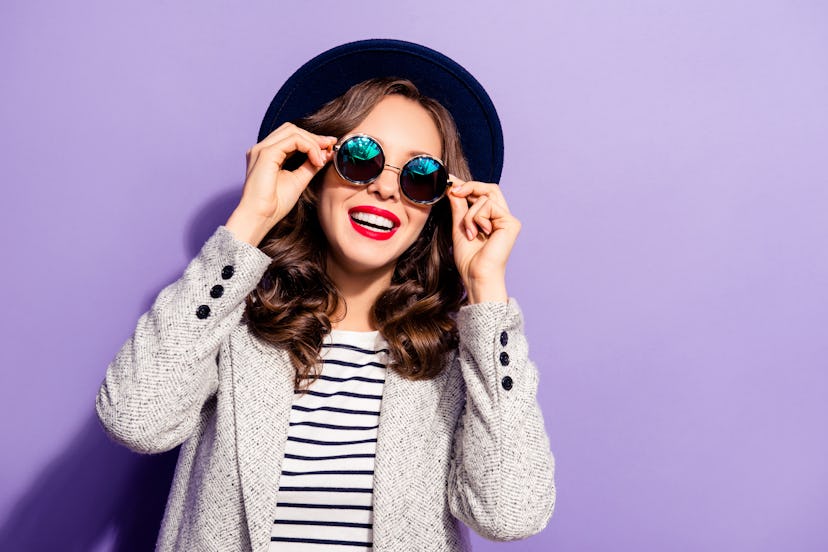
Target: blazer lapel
<point>406,414</point>
<point>263,395</point>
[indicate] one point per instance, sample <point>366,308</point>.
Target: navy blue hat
<point>332,73</point>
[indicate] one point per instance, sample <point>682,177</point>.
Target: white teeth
<point>372,219</point>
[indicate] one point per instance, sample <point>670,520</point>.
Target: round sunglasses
<point>359,159</point>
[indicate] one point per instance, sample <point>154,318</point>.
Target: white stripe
<point>371,341</point>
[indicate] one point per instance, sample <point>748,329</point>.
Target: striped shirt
<point>325,499</point>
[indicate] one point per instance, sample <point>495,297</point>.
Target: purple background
<point>667,160</point>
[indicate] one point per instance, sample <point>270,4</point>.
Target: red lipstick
<point>374,234</point>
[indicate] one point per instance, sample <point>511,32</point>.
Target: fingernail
<point>469,234</point>
<point>456,188</point>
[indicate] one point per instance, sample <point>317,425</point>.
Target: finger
<point>459,208</point>
<point>505,230</point>
<point>473,187</point>
<point>493,219</point>
<point>278,136</point>
<point>307,170</point>
<point>282,132</point>
<point>289,128</point>
<point>459,184</point>
<point>279,151</point>
<point>465,215</point>
<point>483,217</point>
<point>469,218</point>
<point>472,190</point>
<point>505,227</point>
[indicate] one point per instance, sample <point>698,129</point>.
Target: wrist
<point>248,228</point>
<point>481,292</point>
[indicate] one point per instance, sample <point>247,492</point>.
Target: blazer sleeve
<point>502,471</point>
<point>152,395</point>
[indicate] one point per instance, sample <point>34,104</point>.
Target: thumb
<point>459,208</point>
<point>305,172</point>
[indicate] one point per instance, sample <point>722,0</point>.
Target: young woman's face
<point>404,128</point>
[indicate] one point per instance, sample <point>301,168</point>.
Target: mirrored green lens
<point>423,179</point>
<point>360,159</point>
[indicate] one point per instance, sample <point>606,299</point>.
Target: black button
<point>504,358</point>
<point>203,311</point>
<point>506,382</point>
<point>217,291</point>
<point>227,272</point>
<point>504,338</point>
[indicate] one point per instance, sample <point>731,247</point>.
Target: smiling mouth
<point>372,222</point>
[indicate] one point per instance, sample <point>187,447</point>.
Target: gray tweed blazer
<point>468,445</point>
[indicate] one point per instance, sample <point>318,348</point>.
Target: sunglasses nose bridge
<point>387,186</point>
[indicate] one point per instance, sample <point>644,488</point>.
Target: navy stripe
<point>337,486</point>
<point>332,472</point>
<point>323,523</point>
<point>352,364</point>
<point>327,489</point>
<point>343,393</point>
<point>318,442</point>
<point>324,506</point>
<point>335,457</point>
<point>352,378</point>
<point>322,541</point>
<point>352,348</point>
<point>334,409</point>
<point>333,426</point>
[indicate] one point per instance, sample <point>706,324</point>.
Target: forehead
<point>404,127</point>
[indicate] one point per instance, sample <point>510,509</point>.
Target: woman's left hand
<point>483,233</point>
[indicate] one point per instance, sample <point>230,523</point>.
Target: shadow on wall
<point>98,495</point>
<point>94,489</point>
<point>204,223</point>
<point>212,214</point>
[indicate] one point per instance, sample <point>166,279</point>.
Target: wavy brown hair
<point>293,303</point>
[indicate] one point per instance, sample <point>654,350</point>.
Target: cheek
<point>325,213</point>
<point>326,201</point>
<point>418,217</point>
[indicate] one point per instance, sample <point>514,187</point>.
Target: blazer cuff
<point>492,333</point>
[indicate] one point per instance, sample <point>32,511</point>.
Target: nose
<point>386,184</point>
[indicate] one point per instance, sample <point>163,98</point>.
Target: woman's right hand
<point>270,192</point>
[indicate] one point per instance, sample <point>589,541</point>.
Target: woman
<point>341,363</point>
